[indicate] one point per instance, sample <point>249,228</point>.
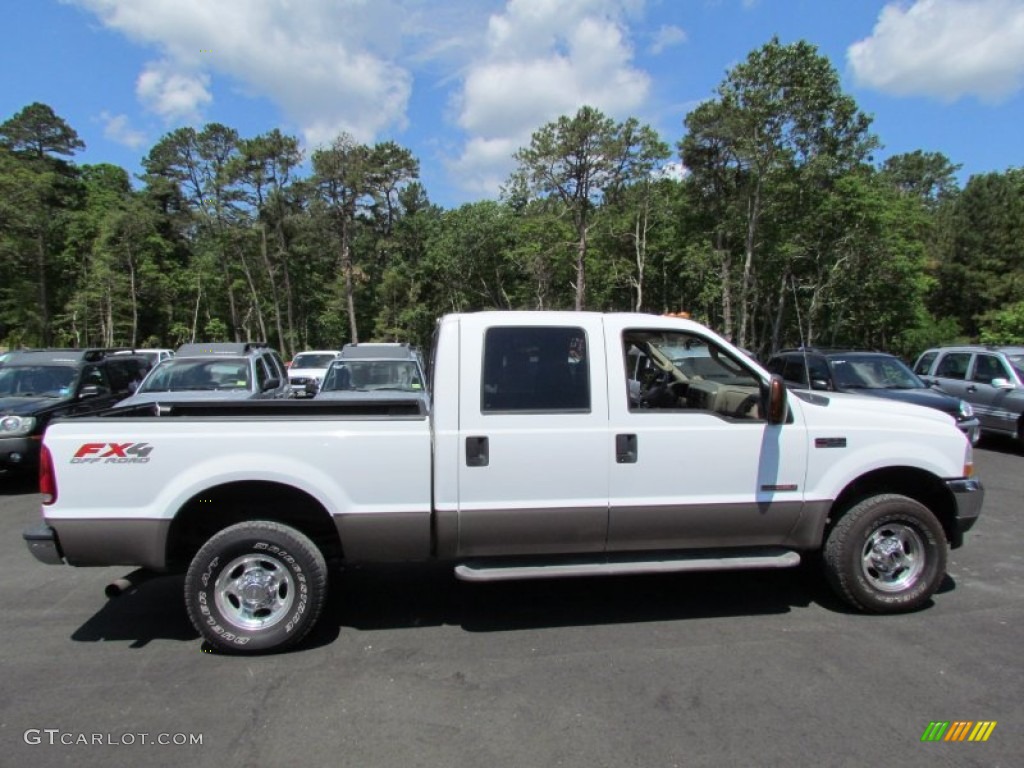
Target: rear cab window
<point>535,369</point>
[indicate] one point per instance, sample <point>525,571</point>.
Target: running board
<point>508,571</point>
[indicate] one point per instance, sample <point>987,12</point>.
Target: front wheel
<point>886,555</point>
<point>256,586</point>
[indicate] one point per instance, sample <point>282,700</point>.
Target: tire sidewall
<point>932,537</point>
<point>211,561</point>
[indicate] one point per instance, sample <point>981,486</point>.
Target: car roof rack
<point>387,350</point>
<point>219,348</point>
<point>57,355</point>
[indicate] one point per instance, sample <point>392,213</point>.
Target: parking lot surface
<point>410,667</point>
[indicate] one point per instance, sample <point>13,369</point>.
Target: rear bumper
<point>43,544</point>
<point>968,494</point>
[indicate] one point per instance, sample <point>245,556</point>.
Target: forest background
<point>780,230</point>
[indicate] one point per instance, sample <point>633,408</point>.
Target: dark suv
<point>41,384</point>
<point>990,378</point>
<point>869,373</point>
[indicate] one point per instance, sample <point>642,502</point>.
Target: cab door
<point>700,467</point>
<point>533,433</point>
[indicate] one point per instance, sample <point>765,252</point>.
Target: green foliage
<point>782,231</point>
<point>1004,326</point>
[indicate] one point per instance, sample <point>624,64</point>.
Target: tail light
<point>47,478</point>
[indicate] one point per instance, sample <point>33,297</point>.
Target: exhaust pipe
<point>118,587</point>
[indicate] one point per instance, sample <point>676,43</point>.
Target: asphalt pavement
<point>410,667</point>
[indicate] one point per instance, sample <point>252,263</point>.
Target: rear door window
<point>953,365</point>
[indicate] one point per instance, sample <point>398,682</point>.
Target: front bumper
<point>968,495</point>
<point>43,544</point>
<point>19,452</point>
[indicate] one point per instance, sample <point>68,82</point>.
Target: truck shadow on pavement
<point>153,610</point>
<point>409,596</point>
<point>381,598</point>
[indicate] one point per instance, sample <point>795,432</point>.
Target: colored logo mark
<point>958,730</point>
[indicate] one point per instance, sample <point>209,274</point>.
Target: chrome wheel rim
<point>254,592</point>
<point>893,557</point>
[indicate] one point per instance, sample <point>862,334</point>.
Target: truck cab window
<point>685,372</point>
<point>535,369</point>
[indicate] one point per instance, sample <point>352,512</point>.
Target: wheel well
<point>225,505</point>
<point>914,483</point>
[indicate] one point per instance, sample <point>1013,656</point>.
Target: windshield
<point>874,372</point>
<point>312,360</point>
<point>367,375</point>
<point>36,381</point>
<point>1017,362</point>
<point>180,375</point>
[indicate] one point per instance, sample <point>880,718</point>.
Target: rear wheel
<point>256,586</point>
<point>886,555</point>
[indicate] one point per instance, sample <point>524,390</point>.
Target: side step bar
<point>499,570</point>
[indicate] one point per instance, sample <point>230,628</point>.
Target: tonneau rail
<point>277,409</point>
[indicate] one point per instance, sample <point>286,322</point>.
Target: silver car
<point>215,371</point>
<point>991,379</point>
<point>375,372</point>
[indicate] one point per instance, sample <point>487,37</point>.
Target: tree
<point>39,189</point>
<point>779,130</point>
<point>351,178</point>
<point>578,160</point>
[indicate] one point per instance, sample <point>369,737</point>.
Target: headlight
<point>13,426</point>
<point>965,410</point>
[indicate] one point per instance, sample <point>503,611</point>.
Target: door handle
<point>972,388</point>
<point>625,449</point>
<point>477,452</point>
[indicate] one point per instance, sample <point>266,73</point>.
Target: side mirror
<point>776,400</point>
<point>312,388</point>
<point>271,384</point>
<point>89,390</point>
<point>819,384</point>
<point>1001,383</point>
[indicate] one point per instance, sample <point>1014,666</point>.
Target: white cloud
<point>945,49</point>
<point>667,36</point>
<point>175,96</point>
<point>117,129</point>
<point>542,59</point>
<point>328,64</point>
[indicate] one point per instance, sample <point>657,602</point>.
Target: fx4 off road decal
<point>112,453</point>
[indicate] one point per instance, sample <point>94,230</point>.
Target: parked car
<point>869,373</point>
<point>306,371</point>
<point>991,379</point>
<point>41,384</point>
<point>215,371</point>
<point>375,372</point>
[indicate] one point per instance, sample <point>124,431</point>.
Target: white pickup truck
<point>556,444</point>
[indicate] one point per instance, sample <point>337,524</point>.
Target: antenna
<point>800,332</point>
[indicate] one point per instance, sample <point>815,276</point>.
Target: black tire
<point>256,586</point>
<point>886,555</point>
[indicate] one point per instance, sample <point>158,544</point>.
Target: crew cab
<point>541,455</point>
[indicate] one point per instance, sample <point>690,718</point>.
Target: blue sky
<point>464,83</point>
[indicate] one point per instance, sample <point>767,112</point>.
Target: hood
<point>182,397</point>
<point>27,406</point>
<point>842,409</point>
<point>932,398</point>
